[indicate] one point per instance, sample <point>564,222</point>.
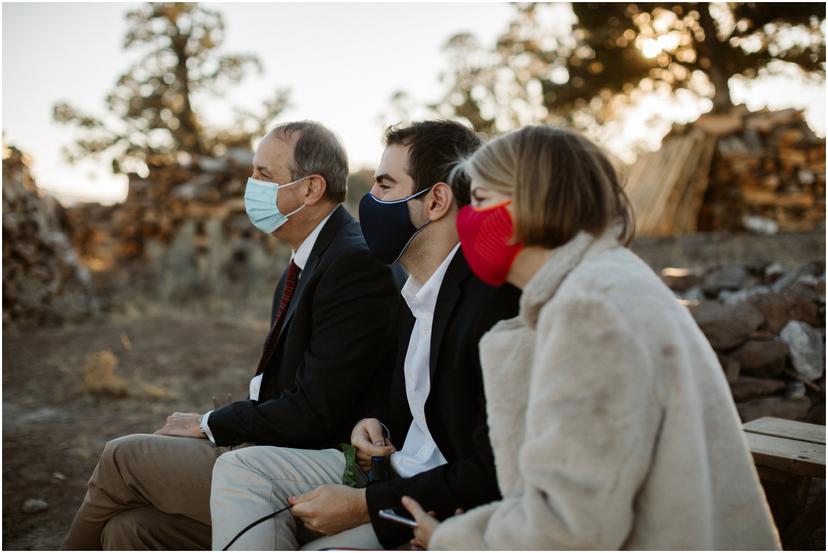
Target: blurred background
<point>134,284</point>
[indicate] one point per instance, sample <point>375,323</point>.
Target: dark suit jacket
<point>456,407</point>
<point>330,365</point>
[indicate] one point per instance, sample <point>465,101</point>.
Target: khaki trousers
<point>147,492</point>
<point>256,481</point>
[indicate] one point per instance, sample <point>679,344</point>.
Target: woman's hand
<point>426,523</point>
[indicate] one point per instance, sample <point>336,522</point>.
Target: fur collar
<point>543,285</point>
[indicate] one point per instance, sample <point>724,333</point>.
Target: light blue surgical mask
<point>261,207</point>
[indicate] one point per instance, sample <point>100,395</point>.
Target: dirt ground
<point>54,428</point>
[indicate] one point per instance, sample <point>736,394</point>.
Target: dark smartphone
<point>389,514</point>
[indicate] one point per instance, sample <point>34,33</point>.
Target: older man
<point>333,323</point>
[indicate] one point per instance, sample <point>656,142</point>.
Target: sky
<point>342,62</point>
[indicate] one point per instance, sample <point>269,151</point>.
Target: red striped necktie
<point>272,339</point>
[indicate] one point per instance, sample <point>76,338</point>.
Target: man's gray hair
<point>318,151</point>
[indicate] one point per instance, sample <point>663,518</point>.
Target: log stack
<point>182,234</point>
<point>43,280</point>
<point>758,171</point>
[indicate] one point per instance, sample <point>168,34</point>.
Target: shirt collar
<point>423,299</point>
<point>301,255</point>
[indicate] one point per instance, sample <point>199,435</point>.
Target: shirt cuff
<point>202,422</point>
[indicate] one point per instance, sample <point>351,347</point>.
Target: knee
<point>226,465</point>
<point>125,532</point>
<point>119,446</point>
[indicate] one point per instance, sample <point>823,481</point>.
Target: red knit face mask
<point>484,237</point>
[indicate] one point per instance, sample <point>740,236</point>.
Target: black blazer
<point>330,365</point>
<point>456,407</point>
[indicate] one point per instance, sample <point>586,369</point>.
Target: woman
<point>610,418</point>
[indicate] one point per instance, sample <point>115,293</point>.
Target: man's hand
<point>331,509</point>
<point>368,439</point>
<point>182,424</point>
<point>426,523</point>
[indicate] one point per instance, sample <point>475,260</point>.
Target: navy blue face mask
<point>387,225</point>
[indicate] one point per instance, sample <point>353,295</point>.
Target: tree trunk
<point>188,133</point>
<point>711,49</point>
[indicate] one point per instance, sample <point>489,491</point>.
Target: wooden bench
<point>788,455</point>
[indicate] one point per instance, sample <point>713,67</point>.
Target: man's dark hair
<point>318,151</point>
<point>435,147</point>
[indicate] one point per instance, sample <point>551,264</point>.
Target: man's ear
<point>317,185</point>
<point>439,201</point>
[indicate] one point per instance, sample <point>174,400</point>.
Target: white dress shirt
<point>420,453</point>
<point>300,257</point>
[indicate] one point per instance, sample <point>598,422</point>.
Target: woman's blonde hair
<point>560,182</point>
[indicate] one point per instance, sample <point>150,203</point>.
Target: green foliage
<point>349,477</point>
<point>151,105</point>
<point>578,64</point>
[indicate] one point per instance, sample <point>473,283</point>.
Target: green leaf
<point>349,477</point>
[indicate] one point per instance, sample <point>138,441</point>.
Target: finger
<point>371,450</point>
<point>364,464</point>
<point>414,508</point>
<point>301,510</point>
<point>459,511</point>
<point>305,497</point>
<point>374,431</point>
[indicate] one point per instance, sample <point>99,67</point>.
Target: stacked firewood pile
<point>760,171</point>
<point>766,323</point>
<point>182,234</point>
<point>158,205</point>
<point>43,280</point>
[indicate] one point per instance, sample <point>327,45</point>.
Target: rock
<point>819,290</point>
<point>729,277</point>
<point>792,409</point>
<point>739,296</point>
<point>779,308</point>
<point>679,280</point>
<point>693,296</point>
<point>807,349</point>
<point>731,368</point>
<point>774,271</point>
<point>726,326</point>
<point>746,388</point>
<point>35,506</point>
<point>100,376</point>
<point>795,390</point>
<point>763,358</point>
<point>814,268</point>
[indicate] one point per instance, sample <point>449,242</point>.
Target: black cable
<point>251,525</point>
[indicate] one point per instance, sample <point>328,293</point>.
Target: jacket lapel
<point>447,298</point>
<point>339,218</point>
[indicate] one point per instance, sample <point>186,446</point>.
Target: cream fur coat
<point>611,420</point>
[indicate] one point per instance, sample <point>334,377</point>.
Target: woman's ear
<point>316,189</point>
<point>439,201</point>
